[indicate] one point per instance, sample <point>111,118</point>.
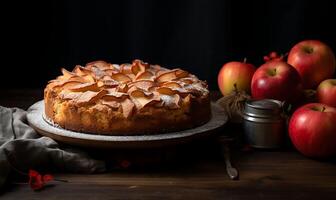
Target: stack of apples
<point>310,65</point>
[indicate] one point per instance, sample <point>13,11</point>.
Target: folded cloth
<point>22,148</point>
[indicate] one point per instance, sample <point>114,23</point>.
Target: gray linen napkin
<point>22,147</point>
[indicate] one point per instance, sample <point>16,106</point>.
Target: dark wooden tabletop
<point>191,171</point>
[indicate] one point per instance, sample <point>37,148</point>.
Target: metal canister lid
<point>265,108</point>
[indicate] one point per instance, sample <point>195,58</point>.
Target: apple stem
<point>245,59</point>
<point>323,108</point>
<point>284,55</point>
<point>235,87</point>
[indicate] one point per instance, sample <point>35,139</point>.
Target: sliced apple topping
<point>70,95</point>
<point>181,73</point>
<point>167,76</point>
<point>65,84</point>
<point>77,78</point>
<point>99,64</point>
<point>152,89</point>
<point>109,72</point>
<point>156,67</point>
<point>55,84</point>
<point>139,66</point>
<point>114,96</point>
<point>99,108</point>
<point>69,84</point>
<point>181,91</point>
<point>123,87</point>
<point>143,84</point>
<point>100,84</point>
<point>156,96</point>
<point>160,72</point>
<point>126,68</point>
<point>107,83</point>
<point>97,73</point>
<point>140,93</point>
<point>140,63</point>
<point>111,90</point>
<point>136,69</point>
<point>81,71</point>
<point>84,87</point>
<point>107,77</point>
<point>89,78</point>
<point>199,86</point>
<point>171,101</point>
<point>172,84</point>
<point>132,88</point>
<point>187,80</point>
<point>127,108</point>
<point>175,102</point>
<point>141,98</point>
<point>165,90</point>
<point>78,70</point>
<point>128,87</point>
<point>120,77</point>
<point>145,75</point>
<point>67,74</point>
<point>132,76</point>
<point>114,66</point>
<point>60,78</point>
<point>90,96</point>
<point>112,104</point>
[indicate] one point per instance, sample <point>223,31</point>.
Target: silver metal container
<point>264,126</point>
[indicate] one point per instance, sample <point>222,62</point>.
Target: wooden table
<point>194,171</point>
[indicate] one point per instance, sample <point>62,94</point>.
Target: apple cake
<point>126,99</point>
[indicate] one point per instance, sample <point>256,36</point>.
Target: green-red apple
<point>326,92</point>
<point>314,61</point>
<point>235,75</point>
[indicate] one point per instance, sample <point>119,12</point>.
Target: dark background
<point>40,37</point>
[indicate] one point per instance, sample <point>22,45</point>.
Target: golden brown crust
<point>129,99</point>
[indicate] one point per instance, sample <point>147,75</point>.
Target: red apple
<point>235,75</point>
<point>314,61</point>
<point>312,129</point>
<point>276,80</point>
<point>326,92</point>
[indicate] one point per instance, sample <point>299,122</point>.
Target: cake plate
<point>36,120</point>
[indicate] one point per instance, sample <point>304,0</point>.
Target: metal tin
<point>264,126</point>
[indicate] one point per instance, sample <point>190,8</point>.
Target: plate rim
<point>44,128</point>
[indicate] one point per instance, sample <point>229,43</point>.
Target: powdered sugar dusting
<point>168,100</point>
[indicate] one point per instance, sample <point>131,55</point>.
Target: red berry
<point>266,58</point>
<point>273,54</point>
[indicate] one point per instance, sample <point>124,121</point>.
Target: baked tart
<point>127,99</point>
